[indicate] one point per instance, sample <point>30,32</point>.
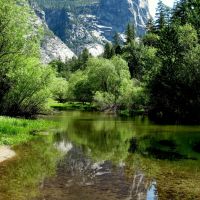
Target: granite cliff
<point>90,23</point>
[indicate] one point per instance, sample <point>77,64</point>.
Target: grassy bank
<point>15,131</point>
<point>72,106</point>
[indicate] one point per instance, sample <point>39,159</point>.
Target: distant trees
<point>158,73</point>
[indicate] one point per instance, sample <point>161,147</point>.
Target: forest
<point>157,74</point>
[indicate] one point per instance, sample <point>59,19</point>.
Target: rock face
<point>52,47</point>
<point>90,23</point>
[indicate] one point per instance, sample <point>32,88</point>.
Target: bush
<point>29,89</point>
<point>60,90</point>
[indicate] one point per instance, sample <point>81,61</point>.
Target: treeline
<point>158,73</point>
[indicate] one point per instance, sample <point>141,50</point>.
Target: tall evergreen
<point>130,33</point>
<point>108,51</point>
<point>150,26</point>
<point>116,43</point>
<point>163,14</point>
<point>116,39</point>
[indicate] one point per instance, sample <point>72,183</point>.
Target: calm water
<point>94,156</point>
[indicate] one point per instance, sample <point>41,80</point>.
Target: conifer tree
<point>150,26</point>
<point>116,39</point>
<point>130,33</point>
<point>163,14</point>
<point>116,44</point>
<point>108,50</point>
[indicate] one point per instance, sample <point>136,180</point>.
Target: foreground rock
<point>6,153</point>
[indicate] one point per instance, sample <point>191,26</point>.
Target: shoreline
<point>6,153</point>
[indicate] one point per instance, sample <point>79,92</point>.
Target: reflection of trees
<point>112,138</point>
<point>167,153</point>
<point>108,139</point>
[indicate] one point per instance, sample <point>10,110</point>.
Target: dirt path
<point>6,153</point>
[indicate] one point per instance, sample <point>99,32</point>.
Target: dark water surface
<point>94,156</point>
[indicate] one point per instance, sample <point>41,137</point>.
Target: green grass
<point>14,131</point>
<point>72,106</point>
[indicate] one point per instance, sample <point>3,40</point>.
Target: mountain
<point>52,47</point>
<point>90,23</point>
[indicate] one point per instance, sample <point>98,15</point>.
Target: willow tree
<point>23,82</point>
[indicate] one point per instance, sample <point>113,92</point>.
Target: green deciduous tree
<point>24,83</point>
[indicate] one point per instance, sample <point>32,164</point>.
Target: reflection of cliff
<point>78,177</point>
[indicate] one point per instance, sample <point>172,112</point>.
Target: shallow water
<point>97,156</point>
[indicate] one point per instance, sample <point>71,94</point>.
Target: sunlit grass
<point>15,131</point>
<point>72,106</point>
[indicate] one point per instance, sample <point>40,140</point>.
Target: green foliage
<point>68,106</point>
<point>132,54</point>
<point>104,101</point>
<point>29,90</point>
<point>60,88</point>
<point>105,82</point>
<point>151,39</point>
<point>187,11</point>
<point>63,69</point>
<point>117,44</point>
<point>172,88</point>
<point>150,26</point>
<point>24,83</point>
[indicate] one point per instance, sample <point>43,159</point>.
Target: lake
<point>96,156</point>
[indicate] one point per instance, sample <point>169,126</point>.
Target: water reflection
<point>129,154</point>
<point>80,177</point>
<point>106,157</point>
